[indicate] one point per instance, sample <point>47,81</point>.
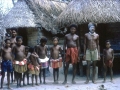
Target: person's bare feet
<point>40,82</point>
<point>24,85</point>
<point>87,81</point>
<point>1,88</point>
<point>44,83</point>
<point>73,82</point>
<point>65,82</point>
<point>104,81</point>
<point>10,88</point>
<point>111,81</point>
<point>94,82</point>
<point>55,82</point>
<point>33,85</point>
<point>37,84</point>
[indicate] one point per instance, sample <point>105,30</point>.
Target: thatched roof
<point>46,11</point>
<point>2,29</point>
<point>19,16</point>
<point>84,11</point>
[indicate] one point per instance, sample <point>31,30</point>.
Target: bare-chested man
<point>41,50</point>
<point>13,37</point>
<point>6,65</point>
<point>34,66</point>
<point>13,43</point>
<point>55,60</point>
<point>91,50</point>
<point>20,63</point>
<point>71,42</point>
<point>108,57</point>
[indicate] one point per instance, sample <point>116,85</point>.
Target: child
<point>108,57</point>
<point>71,41</point>
<point>6,65</point>
<point>20,63</point>
<point>34,66</point>
<point>55,60</point>
<point>41,50</point>
<point>27,54</point>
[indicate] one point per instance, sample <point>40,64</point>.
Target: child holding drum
<point>55,60</point>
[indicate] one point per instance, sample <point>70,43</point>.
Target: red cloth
<point>56,63</point>
<point>109,63</point>
<point>72,55</point>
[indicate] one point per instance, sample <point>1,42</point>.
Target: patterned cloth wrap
<point>33,69</point>
<point>109,63</point>
<point>23,62</point>
<point>20,66</point>
<point>56,63</point>
<point>43,62</point>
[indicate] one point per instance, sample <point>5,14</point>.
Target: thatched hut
<point>106,13</point>
<point>31,18</point>
<point>46,11</point>
<point>2,30</point>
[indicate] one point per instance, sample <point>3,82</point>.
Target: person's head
<point>31,49</point>
<point>7,42</point>
<point>107,44</point>
<point>26,49</point>
<point>73,28</point>
<point>55,40</point>
<point>14,32</point>
<point>7,35</point>
<point>91,27</point>
<point>19,40</point>
<point>43,41</point>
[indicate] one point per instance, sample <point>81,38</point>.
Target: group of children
<point>19,61</point>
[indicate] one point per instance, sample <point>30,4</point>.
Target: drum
<point>57,63</point>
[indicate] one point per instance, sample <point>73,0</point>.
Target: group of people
<point>20,61</point>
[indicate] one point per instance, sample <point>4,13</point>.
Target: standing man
<point>91,50</point>
<point>71,42</point>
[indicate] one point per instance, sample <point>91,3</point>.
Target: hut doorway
<point>23,32</point>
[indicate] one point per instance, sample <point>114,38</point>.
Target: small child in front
<point>108,57</point>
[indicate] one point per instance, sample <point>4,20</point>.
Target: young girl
<point>55,61</point>
<point>34,66</point>
<point>20,61</point>
<point>27,53</point>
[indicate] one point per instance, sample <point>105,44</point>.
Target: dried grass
<point>84,11</point>
<point>46,11</point>
<point>19,16</point>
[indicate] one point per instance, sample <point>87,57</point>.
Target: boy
<point>6,65</point>
<point>108,57</point>
<point>71,41</point>
<point>34,66</point>
<point>41,50</point>
<point>13,43</point>
<point>27,54</point>
<point>20,63</point>
<point>54,58</point>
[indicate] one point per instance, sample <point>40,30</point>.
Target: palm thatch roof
<point>19,16</point>
<point>84,11</point>
<point>2,29</point>
<point>46,11</point>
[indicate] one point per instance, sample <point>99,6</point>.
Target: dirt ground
<point>69,86</point>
